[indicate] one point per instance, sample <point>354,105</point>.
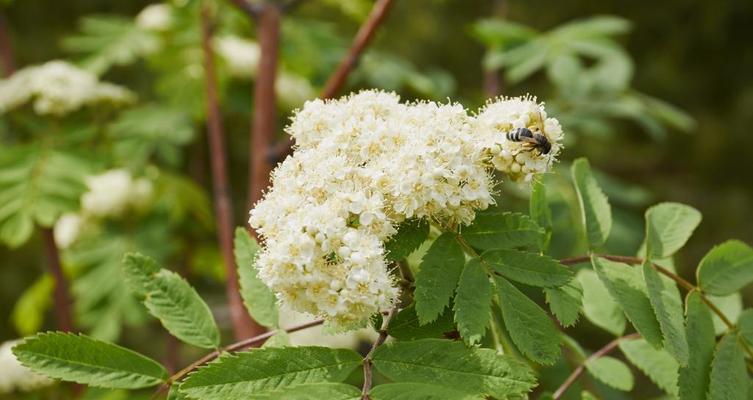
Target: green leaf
<point>405,325</point>
<point>280,339</point>
<point>726,269</point>
<point>80,359</point>
<point>540,211</point>
<point>598,305</point>
<point>502,230</point>
<point>258,298</point>
<point>667,303</point>
<point>668,227</point>
<point>29,311</point>
<point>438,277</point>
<point>731,306</point>
<point>528,325</point>
<point>169,298</point>
<point>745,325</point>
<point>473,301</point>
<point>729,378</point>
<point>263,371</point>
<point>693,381</point>
<point>626,285</point>
<point>565,302</point>
<point>528,268</point>
<point>450,363</point>
<point>612,372</point>
<point>410,235</point>
<point>658,365</point>
<point>595,211</point>
<point>314,391</point>
<point>420,391</point>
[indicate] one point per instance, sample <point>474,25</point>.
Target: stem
<point>243,325</point>
<point>264,114</point>
<point>582,367</point>
<point>62,293</point>
<point>367,361</point>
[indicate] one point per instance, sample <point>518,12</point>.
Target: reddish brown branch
<point>367,361</point>
<point>62,294</point>
<point>264,117</point>
<point>578,371</point>
<point>6,48</point>
<point>243,325</point>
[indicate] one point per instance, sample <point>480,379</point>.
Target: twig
<point>367,361</point>
<point>578,371</point>
<point>62,293</point>
<point>265,106</point>
<point>243,325</point>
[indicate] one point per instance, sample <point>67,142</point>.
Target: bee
<point>537,139</point>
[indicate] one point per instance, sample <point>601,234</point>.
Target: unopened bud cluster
<point>362,165</point>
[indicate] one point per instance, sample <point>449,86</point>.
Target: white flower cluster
<point>58,88</point>
<point>110,194</point>
<point>14,376</point>
<point>155,17</point>
<point>362,165</point>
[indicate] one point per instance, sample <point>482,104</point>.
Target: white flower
<point>362,165</point>
<point>112,192</point>
<point>67,229</point>
<point>155,17</point>
<point>293,90</point>
<point>14,376</point>
<point>241,55</point>
<point>58,88</point>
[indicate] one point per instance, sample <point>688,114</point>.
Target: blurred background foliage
<point>657,96</point>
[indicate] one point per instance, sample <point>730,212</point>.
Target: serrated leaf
<point>598,305</point>
<point>667,303</point>
<point>438,277</point>
<point>729,378</point>
<point>449,363</point>
<point>668,227</point>
<point>264,371</point>
<point>528,268</point>
<point>280,339</point>
<point>612,372</point>
<point>175,393</point>
<point>693,381</point>
<point>529,326</point>
<point>169,298</point>
<point>77,358</point>
<point>726,269</point>
<point>405,325</point>
<point>420,391</point>
<point>314,391</point>
<point>595,211</point>
<point>410,235</point>
<point>540,211</point>
<point>503,230</point>
<point>473,301</point>
<point>565,302</point>
<point>745,325</point>
<point>658,365</point>
<point>258,298</point>
<point>731,306</point>
<point>626,285</point>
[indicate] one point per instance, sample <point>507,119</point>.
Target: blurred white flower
<point>67,229</point>
<point>362,165</point>
<point>155,17</point>
<point>58,88</point>
<point>14,376</point>
<point>112,192</point>
<point>293,90</point>
<point>241,55</point>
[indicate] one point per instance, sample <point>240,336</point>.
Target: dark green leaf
<point>626,285</point>
<point>528,325</point>
<point>693,379</point>
<point>473,300</point>
<point>729,378</point>
<point>405,325</point>
<point>502,230</point>
<point>410,235</point>
<point>595,211</point>
<point>598,305</point>
<point>726,269</point>
<point>438,277</point>
<point>667,303</point>
<point>745,325</point>
<point>452,364</point>
<point>612,372</point>
<point>565,302</point>
<point>420,391</point>
<point>528,268</point>
<point>264,371</point>
<point>658,365</point>
<point>88,361</point>
<point>668,227</point>
<point>259,300</point>
<point>314,391</point>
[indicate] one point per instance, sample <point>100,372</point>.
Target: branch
<point>62,294</point>
<point>243,325</point>
<point>265,105</point>
<point>578,371</point>
<point>367,361</point>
